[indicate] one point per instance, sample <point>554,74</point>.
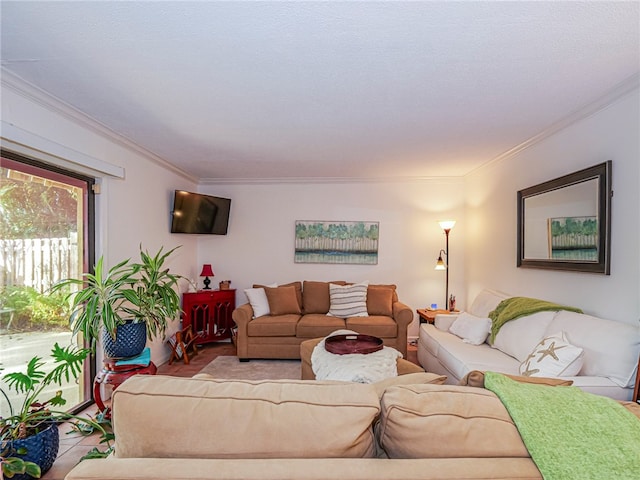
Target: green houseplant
<point>29,438</point>
<point>129,295</point>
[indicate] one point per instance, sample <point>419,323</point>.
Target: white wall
<point>490,241</point>
<point>132,210</point>
<point>259,247</point>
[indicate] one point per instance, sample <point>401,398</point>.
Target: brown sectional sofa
<point>299,312</point>
<point>307,430</point>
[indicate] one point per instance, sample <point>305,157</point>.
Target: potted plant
<point>124,304</point>
<point>29,438</point>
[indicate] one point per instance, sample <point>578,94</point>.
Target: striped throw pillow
<point>348,300</point>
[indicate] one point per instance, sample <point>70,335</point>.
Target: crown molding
<point>617,92</point>
<point>13,82</point>
<point>327,180</point>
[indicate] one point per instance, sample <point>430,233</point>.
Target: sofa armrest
<point>402,314</point>
<point>443,321</point>
<point>242,316</point>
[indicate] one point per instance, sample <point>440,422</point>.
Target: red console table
<point>115,375</point>
<point>208,312</point>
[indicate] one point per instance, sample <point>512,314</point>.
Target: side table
<point>115,375</point>
<point>429,316</point>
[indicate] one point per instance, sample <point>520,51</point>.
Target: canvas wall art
<point>574,238</point>
<point>336,242</point>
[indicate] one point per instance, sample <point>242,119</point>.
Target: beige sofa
<point>609,362</point>
<point>406,428</point>
<point>199,428</point>
<point>298,312</point>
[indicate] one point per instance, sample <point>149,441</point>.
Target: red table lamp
<point>207,272</point>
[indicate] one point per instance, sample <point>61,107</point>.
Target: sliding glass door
<point>46,234</point>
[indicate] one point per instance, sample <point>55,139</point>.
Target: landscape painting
<point>574,238</point>
<point>336,242</point>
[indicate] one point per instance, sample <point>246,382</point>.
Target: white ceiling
<point>340,90</point>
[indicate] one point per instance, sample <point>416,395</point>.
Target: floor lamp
<point>446,225</point>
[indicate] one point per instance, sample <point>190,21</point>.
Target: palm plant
<point>34,415</point>
<point>141,292</point>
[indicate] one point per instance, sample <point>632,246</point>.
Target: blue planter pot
<point>41,449</point>
<point>130,341</point>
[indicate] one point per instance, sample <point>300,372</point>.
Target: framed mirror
<point>565,223</point>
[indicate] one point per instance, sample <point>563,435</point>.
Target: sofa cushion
<point>315,296</point>
<point>318,325</point>
<point>273,326</point>
<point>519,337</point>
<point>267,419</point>
<point>554,356</point>
<point>348,300</point>
<point>611,349</point>
<point>416,378</point>
<point>486,301</point>
<point>282,300</point>
<point>376,326</point>
<point>439,421</point>
<point>471,329</point>
<point>380,300</point>
<point>460,358</point>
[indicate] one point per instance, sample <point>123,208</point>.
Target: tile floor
<point>73,446</point>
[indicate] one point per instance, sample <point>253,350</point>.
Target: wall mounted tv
<point>199,214</point>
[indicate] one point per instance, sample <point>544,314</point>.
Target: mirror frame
<point>602,172</point>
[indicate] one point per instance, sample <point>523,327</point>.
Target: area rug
<point>231,368</point>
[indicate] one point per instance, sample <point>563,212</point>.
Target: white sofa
<point>611,349</point>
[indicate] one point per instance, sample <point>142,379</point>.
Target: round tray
<point>352,343</point>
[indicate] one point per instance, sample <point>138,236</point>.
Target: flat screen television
<point>199,214</point>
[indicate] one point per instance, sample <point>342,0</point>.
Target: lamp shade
<point>447,224</point>
<point>440,264</point>
<point>207,271</point>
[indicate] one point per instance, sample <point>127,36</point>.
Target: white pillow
<point>258,300</point>
<point>471,329</point>
<point>554,356</point>
<point>348,300</point>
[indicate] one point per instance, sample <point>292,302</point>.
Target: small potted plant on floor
<point>29,438</point>
<point>125,304</point>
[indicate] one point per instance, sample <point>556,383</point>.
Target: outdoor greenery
<point>33,310</point>
<point>32,209</point>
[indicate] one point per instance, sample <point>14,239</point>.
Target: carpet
<point>231,368</point>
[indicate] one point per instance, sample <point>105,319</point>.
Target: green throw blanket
<point>569,433</point>
<point>516,307</point>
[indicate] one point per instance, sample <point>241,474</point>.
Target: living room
<point>137,185</point>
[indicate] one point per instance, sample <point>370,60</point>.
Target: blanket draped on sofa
<point>570,433</point>
<point>516,307</point>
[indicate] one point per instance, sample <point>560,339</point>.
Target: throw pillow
<point>258,300</point>
<point>348,300</point>
<point>283,300</point>
<point>471,329</point>
<point>554,356</point>
<point>380,300</point>
<point>315,296</point>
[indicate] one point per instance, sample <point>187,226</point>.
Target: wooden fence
<point>37,262</point>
